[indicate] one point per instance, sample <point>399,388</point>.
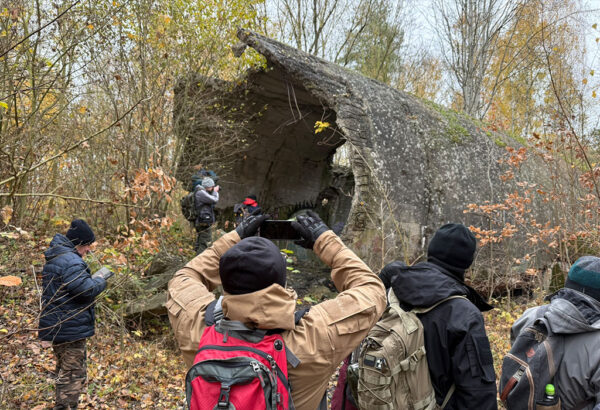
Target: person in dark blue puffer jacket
<point>67,316</point>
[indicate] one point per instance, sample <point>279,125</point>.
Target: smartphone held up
<point>275,229</point>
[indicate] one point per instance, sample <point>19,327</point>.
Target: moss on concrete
<point>455,130</point>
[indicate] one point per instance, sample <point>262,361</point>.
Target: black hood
<point>425,284</point>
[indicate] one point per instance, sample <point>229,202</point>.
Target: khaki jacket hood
<point>269,308</point>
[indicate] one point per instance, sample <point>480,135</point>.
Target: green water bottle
<point>550,398</point>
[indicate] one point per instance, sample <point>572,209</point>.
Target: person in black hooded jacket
<point>458,350</point>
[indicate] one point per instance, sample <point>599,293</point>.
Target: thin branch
<point>39,29</point>
<point>72,147</point>
<point>73,198</point>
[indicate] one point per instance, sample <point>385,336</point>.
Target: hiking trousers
<point>203,237</point>
<point>71,372</point>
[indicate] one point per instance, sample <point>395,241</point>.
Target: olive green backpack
<point>392,366</point>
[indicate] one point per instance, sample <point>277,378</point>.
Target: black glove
<point>310,227</point>
<point>103,273</point>
<point>249,226</point>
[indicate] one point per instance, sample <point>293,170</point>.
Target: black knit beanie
<point>80,233</point>
<point>252,264</point>
<point>453,248</point>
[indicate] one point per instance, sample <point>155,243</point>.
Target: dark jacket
<point>577,317</point>
<point>205,205</point>
<point>458,350</point>
<point>68,294</point>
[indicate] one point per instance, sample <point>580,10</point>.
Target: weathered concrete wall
<point>414,166</point>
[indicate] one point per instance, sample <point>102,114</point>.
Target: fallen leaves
<point>6,214</point>
<point>10,280</point>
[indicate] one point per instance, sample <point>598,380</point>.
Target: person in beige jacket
<point>324,336</point>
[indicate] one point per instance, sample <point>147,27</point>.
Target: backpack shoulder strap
<point>430,308</point>
<point>290,356</point>
<point>214,312</point>
<point>298,315</point>
<point>448,396</point>
<point>407,320</point>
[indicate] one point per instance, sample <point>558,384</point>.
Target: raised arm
<point>361,302</point>
<point>203,197</point>
<point>190,292</point>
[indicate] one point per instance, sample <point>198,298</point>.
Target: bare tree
<point>469,31</point>
<point>324,28</point>
<point>375,49</point>
<point>365,35</point>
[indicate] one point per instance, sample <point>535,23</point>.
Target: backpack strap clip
<point>410,363</point>
<point>224,397</point>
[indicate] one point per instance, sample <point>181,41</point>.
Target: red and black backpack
<point>240,368</point>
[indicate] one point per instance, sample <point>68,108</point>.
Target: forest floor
<point>130,365</point>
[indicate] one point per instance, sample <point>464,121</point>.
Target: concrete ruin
<point>412,165</point>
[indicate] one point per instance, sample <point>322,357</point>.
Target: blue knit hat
<point>584,276</point>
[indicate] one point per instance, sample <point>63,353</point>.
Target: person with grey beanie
<point>574,314</point>
<point>206,196</point>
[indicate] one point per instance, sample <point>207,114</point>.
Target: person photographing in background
<point>206,196</point>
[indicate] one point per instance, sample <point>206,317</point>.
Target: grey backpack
<point>392,364</point>
<point>530,364</point>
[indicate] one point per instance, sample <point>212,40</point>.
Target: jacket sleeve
<point>80,285</point>
<point>347,319</point>
<point>190,292</point>
<point>472,364</point>
<point>203,197</point>
<point>596,388</point>
<point>594,375</point>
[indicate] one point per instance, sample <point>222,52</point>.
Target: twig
<point>3,387</point>
<point>39,29</point>
<point>74,198</point>
<point>74,146</point>
<point>37,288</point>
<point>565,114</point>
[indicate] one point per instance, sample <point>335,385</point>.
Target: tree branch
<point>72,198</point>
<point>72,147</point>
<point>39,29</point>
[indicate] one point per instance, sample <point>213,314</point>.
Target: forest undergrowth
<point>131,364</point>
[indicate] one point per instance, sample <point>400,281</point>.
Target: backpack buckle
<point>224,397</point>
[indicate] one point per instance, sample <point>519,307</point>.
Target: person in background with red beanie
<point>250,205</point>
